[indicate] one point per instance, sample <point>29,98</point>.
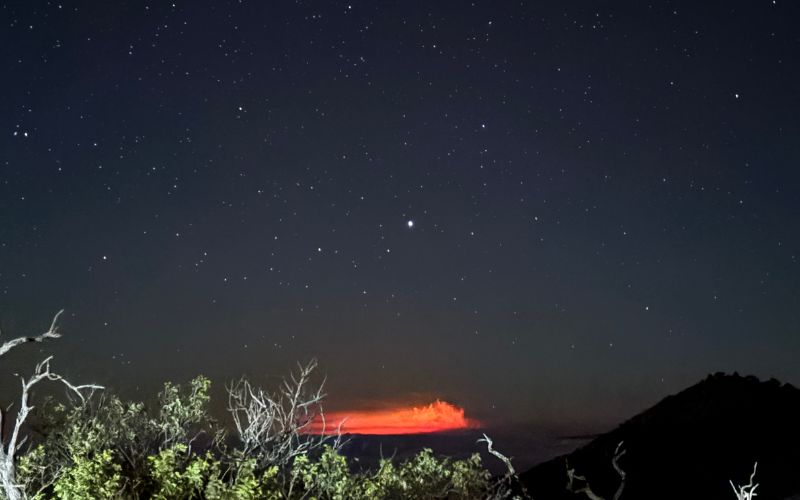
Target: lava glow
<point>436,417</point>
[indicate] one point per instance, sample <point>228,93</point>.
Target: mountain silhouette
<point>690,445</point>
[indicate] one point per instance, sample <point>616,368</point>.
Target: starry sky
<point>540,211</point>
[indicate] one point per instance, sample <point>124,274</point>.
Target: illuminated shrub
<point>157,453</point>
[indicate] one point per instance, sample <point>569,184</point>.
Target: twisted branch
<point>42,372</point>
<point>501,489</point>
<point>748,491</point>
<point>272,426</point>
<point>51,333</point>
<point>8,451</point>
<point>586,489</point>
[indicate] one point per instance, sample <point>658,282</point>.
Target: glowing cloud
<point>436,417</point>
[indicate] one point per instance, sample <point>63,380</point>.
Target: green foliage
<point>180,410</point>
<point>130,429</point>
<point>177,475</point>
<point>34,473</point>
<point>245,483</point>
<point>469,477</point>
<point>90,476</point>
<point>426,476</point>
<point>153,454</point>
<point>328,477</point>
<point>422,477</point>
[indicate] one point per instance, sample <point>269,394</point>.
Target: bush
<point>154,454</point>
<point>92,475</point>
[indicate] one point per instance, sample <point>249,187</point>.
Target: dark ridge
<point>691,444</point>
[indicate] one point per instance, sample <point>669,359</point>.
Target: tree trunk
<point>7,477</point>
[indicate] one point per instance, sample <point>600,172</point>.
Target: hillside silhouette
<point>691,444</point>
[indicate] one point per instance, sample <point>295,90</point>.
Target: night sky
<point>540,211</point>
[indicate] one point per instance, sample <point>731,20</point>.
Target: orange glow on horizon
<point>436,417</point>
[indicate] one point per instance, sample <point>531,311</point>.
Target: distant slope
<point>690,444</point>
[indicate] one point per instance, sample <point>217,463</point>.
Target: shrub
<point>111,448</point>
<point>92,475</point>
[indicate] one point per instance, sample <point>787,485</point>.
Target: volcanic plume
<point>436,417</point>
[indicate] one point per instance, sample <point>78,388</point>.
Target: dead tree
<point>584,486</point>
<point>51,333</point>
<point>501,488</point>
<point>9,447</point>
<point>274,427</point>
<point>748,491</point>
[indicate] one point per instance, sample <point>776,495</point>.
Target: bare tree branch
<point>615,462</point>
<point>9,448</point>
<point>273,426</point>
<point>501,488</point>
<point>748,491</point>
<point>586,489</point>
<point>51,333</point>
<point>489,446</point>
<point>42,372</point>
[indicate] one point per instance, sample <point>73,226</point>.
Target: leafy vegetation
<point>102,447</point>
<point>110,448</point>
